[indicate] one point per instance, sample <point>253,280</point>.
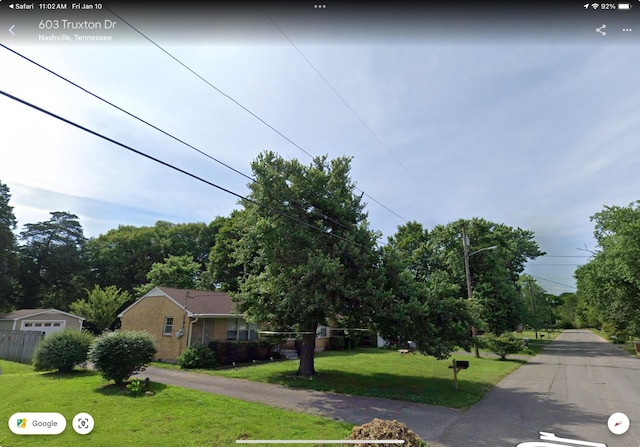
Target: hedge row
<point>229,352</point>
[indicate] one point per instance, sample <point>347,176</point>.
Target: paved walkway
<point>428,421</point>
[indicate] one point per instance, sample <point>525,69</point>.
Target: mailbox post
<point>457,365</point>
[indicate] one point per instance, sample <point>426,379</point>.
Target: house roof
<point>206,303</point>
<point>25,313</point>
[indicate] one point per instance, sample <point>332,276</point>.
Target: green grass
<point>173,416</point>
<point>537,345</point>
<point>386,374</point>
<point>625,346</point>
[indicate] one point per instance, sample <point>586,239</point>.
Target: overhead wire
<point>236,102</point>
<point>171,166</point>
<point>100,98</point>
<point>554,282</point>
<point>358,117</point>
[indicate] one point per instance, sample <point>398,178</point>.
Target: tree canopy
<point>306,247</point>
<point>100,308</point>
<point>497,255</point>
<point>53,271</point>
<point>609,284</point>
<point>8,251</point>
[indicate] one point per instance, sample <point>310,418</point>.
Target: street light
<point>465,245</point>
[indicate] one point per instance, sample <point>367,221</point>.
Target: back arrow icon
<point>11,30</point>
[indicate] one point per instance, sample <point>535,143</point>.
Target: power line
<point>554,282</point>
<point>144,121</point>
<point>358,117</point>
<point>123,110</point>
<point>230,98</point>
<point>171,166</point>
<point>565,256</point>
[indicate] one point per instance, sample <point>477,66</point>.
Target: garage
<point>45,321</point>
<point>47,327</point>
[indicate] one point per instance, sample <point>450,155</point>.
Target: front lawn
<point>172,416</point>
<point>537,345</point>
<point>384,373</point>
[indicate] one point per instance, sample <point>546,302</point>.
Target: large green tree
<point>429,313</point>
<point>609,284</point>
<point>124,256</point>
<point>493,273</point>
<point>52,271</point>
<point>8,251</point>
<point>535,304</point>
<point>100,307</point>
<point>496,254</point>
<point>306,248</point>
<point>175,271</point>
<point>224,269</point>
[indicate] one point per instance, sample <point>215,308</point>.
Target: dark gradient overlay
<point>327,22</point>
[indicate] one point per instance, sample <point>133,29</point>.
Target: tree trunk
<point>307,353</point>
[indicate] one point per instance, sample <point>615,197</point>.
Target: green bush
<point>197,357</point>
<point>615,333</point>
<point>120,354</point>
<point>229,352</point>
<point>62,350</point>
<point>566,324</point>
<point>502,345</point>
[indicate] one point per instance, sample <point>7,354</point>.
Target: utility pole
<point>467,270</point>
<point>533,311</point>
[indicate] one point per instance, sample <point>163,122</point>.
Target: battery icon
<point>624,6</point>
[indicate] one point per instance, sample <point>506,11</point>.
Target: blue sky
<point>533,135</point>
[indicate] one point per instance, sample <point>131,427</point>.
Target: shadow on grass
<point>76,373</point>
<point>112,389</point>
<point>408,388</point>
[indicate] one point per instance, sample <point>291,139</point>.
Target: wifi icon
<point>594,5</point>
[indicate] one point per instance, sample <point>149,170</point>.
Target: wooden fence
<point>18,346</point>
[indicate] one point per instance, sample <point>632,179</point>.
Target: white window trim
<point>164,326</point>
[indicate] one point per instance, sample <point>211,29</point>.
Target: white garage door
<point>47,327</point>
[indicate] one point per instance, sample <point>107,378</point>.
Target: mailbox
<point>456,366</point>
<point>462,364</point>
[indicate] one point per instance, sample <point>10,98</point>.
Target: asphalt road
<point>570,390</point>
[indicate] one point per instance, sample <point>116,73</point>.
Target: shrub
<point>62,350</point>
<point>502,345</point>
<point>380,429</point>
<point>197,357</point>
<point>120,354</point>
<point>228,352</point>
<point>566,324</point>
<point>615,333</point>
<point>336,343</point>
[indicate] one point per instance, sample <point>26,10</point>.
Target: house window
<point>323,331</point>
<point>168,326</point>
<point>240,330</point>
<point>232,329</point>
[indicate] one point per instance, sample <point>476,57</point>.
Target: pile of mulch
<point>380,429</point>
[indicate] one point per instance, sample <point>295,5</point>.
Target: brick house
<point>179,318</point>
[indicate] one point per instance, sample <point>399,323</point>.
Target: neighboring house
<point>39,320</point>
<point>179,318</point>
